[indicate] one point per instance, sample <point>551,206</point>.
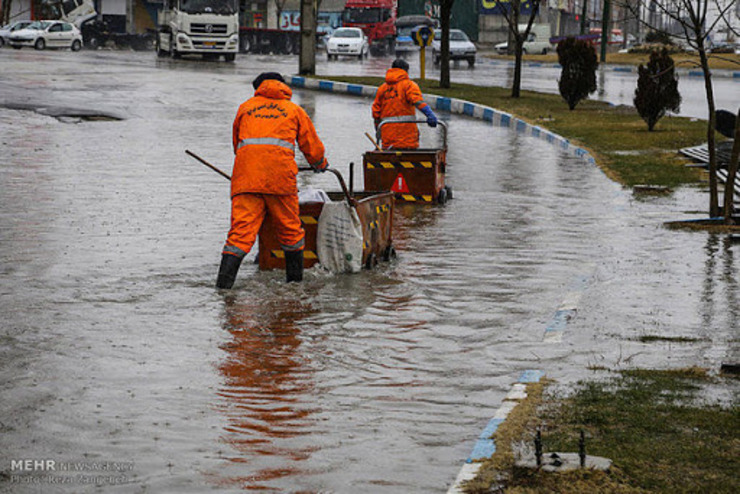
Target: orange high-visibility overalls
<point>265,131</point>
<point>399,96</point>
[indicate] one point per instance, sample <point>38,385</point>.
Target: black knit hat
<point>264,76</point>
<point>400,63</point>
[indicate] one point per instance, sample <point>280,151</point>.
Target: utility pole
<point>605,29</point>
<point>307,58</point>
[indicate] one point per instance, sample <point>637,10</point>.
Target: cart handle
<point>397,120</point>
<point>350,200</point>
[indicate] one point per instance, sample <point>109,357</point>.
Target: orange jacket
<point>398,97</point>
<point>265,131</point>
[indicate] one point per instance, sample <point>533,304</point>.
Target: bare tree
<point>511,11</point>
<point>692,26</point>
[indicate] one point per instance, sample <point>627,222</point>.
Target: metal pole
<point>605,29</point>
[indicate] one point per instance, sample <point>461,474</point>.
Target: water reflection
<point>267,385</point>
<point>719,288</point>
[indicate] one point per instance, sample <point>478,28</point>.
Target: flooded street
<point>115,347</point>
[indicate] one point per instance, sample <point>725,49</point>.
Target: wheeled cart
<point>375,211</point>
<point>413,175</point>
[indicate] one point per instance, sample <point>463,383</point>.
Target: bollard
<point>582,449</point>
<point>538,447</point>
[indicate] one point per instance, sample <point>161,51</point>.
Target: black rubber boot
<point>227,271</point>
<point>293,265</point>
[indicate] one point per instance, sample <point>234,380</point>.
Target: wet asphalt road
<point>116,348</point>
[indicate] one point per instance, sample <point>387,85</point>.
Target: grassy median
<point>616,136</point>
<point>664,430</point>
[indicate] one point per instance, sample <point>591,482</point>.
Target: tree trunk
<point>713,189</point>
<point>444,68</point>
<point>516,87</point>
<point>731,174</point>
<point>307,58</point>
<point>7,5</point>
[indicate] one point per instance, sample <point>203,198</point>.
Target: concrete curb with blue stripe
<point>452,105</point>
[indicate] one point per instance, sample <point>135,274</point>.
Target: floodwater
<point>117,351</point>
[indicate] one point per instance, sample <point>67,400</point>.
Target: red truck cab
<point>377,18</point>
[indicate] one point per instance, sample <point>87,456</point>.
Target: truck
<point>538,41</point>
<point>209,28</point>
<point>377,18</point>
<point>95,31</point>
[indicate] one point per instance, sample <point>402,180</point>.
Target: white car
<point>350,41</point>
<point>9,28</point>
<point>461,48</point>
<point>47,34</point>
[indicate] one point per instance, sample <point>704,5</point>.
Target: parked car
<point>350,41</point>
<point>461,48</point>
<point>47,34</point>
<point>538,40</point>
<point>9,28</point>
<point>406,25</point>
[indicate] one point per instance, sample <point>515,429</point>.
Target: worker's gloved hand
<point>431,117</point>
<point>321,167</point>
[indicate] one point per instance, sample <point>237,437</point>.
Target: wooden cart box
<point>416,175</point>
<point>376,216</point>
<point>413,175</point>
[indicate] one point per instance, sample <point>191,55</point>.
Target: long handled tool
<point>224,174</point>
<point>350,200</point>
<point>375,143</point>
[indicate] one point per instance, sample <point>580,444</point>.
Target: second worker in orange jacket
<point>396,101</point>
<point>265,132</point>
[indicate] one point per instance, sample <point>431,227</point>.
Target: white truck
<point>206,27</point>
<point>537,42</point>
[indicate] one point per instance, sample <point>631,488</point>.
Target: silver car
<point>47,34</point>
<point>461,48</point>
<point>9,28</point>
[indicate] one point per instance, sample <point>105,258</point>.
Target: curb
<point>485,446</point>
<point>452,105</point>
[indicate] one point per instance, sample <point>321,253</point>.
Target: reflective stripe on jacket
<point>399,96</point>
<point>264,132</point>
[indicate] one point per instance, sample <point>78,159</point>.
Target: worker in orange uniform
<point>265,131</point>
<point>396,101</point>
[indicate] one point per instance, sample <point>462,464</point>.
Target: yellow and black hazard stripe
<point>384,208</point>
<point>400,164</point>
<point>307,254</point>
<point>413,198</point>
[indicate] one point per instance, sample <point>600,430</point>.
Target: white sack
<point>339,238</point>
<point>312,195</point>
